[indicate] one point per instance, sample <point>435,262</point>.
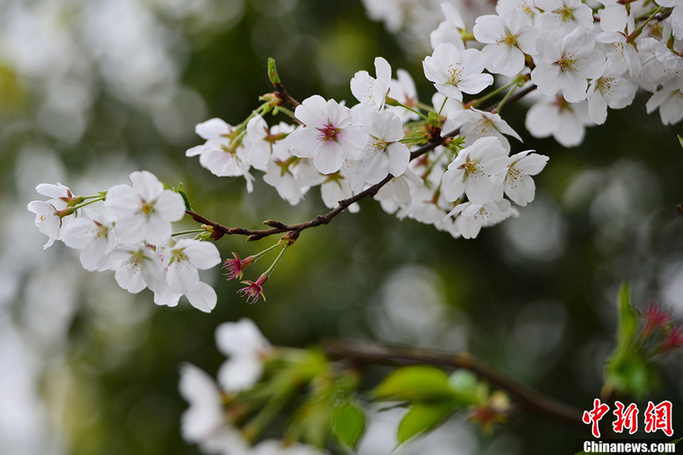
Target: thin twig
<point>390,355</point>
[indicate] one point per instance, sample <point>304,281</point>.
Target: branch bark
<point>528,398</point>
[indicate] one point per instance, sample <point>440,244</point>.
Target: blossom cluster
<point>346,150</point>
<point>132,235</point>
<point>580,60</point>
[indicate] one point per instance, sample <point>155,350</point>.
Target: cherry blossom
<point>383,153</point>
<point>554,116</point>
<point>508,38</point>
<point>454,71</point>
<point>563,16</point>
<point>470,217</point>
<point>136,267</point>
<point>328,135</point>
<point>475,124</point>
<point>221,154</point>
<point>245,346</point>
<point>565,63</point>
<point>145,210</point>
<point>48,218</point>
<point>519,186</point>
<point>473,170</point>
<point>204,422</point>
<point>450,30</point>
<point>185,258</point>
<point>50,214</point>
<point>93,234</point>
<point>669,100</point>
<point>612,90</point>
<point>369,91</point>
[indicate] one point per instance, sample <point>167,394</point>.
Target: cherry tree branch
<point>533,400</point>
<point>276,227</point>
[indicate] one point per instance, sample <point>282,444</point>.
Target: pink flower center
<point>328,133</point>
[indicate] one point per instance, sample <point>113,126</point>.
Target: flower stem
<point>96,199</point>
<point>505,99</point>
<point>191,231</point>
<point>266,251</point>
<point>493,93</point>
<point>630,38</point>
<point>277,259</point>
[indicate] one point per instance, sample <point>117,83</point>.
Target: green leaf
<point>414,383</point>
<point>628,369</point>
<point>628,318</point>
<point>272,72</point>
<point>423,417</point>
<point>348,423</point>
<point>680,140</point>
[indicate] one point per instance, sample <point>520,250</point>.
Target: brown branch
<point>284,95</point>
<point>257,234</point>
<point>390,355</point>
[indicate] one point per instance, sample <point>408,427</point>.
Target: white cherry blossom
<point>136,267</point>
<point>220,154</point>
<point>245,346</point>
<point>383,153</point>
<point>565,63</point>
<point>615,17</point>
<point>508,37</point>
<point>370,91</point>
<point>470,217</point>
<point>475,124</point>
<point>518,184</point>
<point>145,210</point>
<point>554,116</point>
<point>184,260</point>
<point>612,90</point>
<point>404,91</point>
<point>48,219</point>
<point>454,71</point>
<point>450,30</point>
<point>93,234</point>
<point>563,16</point>
<point>676,16</point>
<point>204,422</point>
<point>50,215</point>
<point>669,100</point>
<point>473,171</point>
<point>328,135</point>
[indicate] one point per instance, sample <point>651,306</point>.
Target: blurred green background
<point>90,91</point>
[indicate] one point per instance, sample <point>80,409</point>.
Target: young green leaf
<point>348,423</point>
<point>628,318</point>
<point>414,383</point>
<point>628,370</point>
<point>423,417</point>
